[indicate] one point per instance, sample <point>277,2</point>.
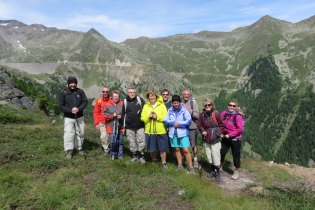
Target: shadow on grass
<point>227,167</point>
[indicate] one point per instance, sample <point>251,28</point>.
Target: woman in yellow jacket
<point>153,114</point>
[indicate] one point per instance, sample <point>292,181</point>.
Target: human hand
<point>97,127</point>
<point>176,124</point>
<point>204,133</point>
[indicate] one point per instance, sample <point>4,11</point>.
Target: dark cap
<point>176,98</point>
<point>72,79</point>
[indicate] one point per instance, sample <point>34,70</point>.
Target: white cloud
<point>255,11</point>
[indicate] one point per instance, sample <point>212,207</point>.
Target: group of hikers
<point>159,125</point>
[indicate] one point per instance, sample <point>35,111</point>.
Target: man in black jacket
<point>72,101</point>
<point>131,113</point>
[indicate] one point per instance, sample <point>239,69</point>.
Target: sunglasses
<point>165,94</point>
<point>105,91</point>
<point>232,105</point>
<point>207,105</point>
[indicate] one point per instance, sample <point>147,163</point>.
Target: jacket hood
<point>159,100</point>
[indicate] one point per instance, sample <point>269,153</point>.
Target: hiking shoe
<point>69,154</point>
<point>142,160</point>
<point>211,174</point>
<point>217,176</point>
<point>191,170</point>
<point>235,175</point>
<point>155,160</point>
<point>113,158</point>
<point>106,153</point>
<point>180,167</point>
<point>81,152</point>
<point>134,158</point>
<point>165,166</point>
<point>196,165</point>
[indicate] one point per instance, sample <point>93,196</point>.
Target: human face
<point>231,106</point>
<point>176,105</point>
<point>115,97</point>
<point>207,106</point>
<point>165,96</point>
<point>131,93</point>
<point>105,92</point>
<point>186,95</point>
<point>72,85</point>
<point>152,98</point>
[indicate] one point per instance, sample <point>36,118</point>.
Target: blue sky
<point>118,20</point>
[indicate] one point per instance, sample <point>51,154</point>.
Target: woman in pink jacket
<point>231,136</point>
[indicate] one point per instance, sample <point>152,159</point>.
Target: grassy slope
<point>34,174</point>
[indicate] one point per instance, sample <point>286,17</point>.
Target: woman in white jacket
<point>178,120</point>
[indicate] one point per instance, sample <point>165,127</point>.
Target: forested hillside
<point>279,124</point>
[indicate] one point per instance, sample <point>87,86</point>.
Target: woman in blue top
<point>178,120</point>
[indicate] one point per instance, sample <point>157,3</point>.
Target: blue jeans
<point>117,145</point>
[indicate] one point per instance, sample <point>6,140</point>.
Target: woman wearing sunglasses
<point>231,136</point>
<point>210,125</point>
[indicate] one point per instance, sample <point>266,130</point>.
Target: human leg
<point>141,140</point>
<point>69,132</point>
<point>236,153</point>
<point>79,130</point>
<point>225,146</point>
<point>216,156</point>
<point>112,138</point>
<point>193,143</point>
<point>120,142</point>
<point>131,137</point>
<point>104,138</point>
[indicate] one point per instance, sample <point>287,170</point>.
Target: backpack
<point>192,107</point>
<point>138,99</point>
<point>99,101</point>
<point>240,112</point>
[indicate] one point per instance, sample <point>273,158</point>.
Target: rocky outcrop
<point>12,96</point>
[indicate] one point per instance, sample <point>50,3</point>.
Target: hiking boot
<point>165,166</point>
<point>235,175</point>
<point>106,153</point>
<point>191,170</point>
<point>180,167</point>
<point>113,158</point>
<point>217,176</point>
<point>134,158</point>
<point>142,160</point>
<point>69,154</point>
<point>211,174</point>
<point>196,165</point>
<point>81,152</point>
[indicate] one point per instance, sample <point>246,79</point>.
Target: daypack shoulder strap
<point>214,117</point>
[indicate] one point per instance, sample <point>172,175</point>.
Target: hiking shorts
<point>193,137</point>
<point>157,142</point>
<point>182,142</point>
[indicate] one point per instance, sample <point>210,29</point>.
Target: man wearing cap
<point>72,101</point>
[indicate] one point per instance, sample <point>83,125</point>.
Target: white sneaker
<point>235,175</point>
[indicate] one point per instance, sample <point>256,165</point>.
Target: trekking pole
<point>80,135</point>
<point>203,150</point>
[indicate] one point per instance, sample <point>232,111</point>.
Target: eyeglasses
<point>105,91</point>
<point>165,94</point>
<point>232,105</point>
<point>207,105</point>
